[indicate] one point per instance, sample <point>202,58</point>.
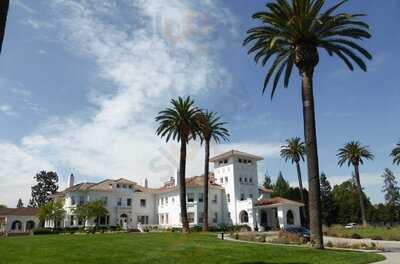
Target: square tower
<point>236,171</point>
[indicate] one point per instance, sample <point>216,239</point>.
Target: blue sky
<point>81,82</point>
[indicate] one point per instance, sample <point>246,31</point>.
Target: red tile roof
<point>19,211</point>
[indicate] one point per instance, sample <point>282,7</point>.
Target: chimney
<point>177,181</point>
<point>146,183</point>
<point>71,180</point>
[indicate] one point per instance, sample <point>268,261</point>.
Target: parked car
<point>299,231</point>
<point>350,225</point>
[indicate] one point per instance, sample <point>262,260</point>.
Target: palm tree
<point>353,153</point>
<point>291,34</point>
<point>295,151</point>
<point>179,123</point>
<point>210,127</point>
<point>4,4</point>
<point>396,154</point>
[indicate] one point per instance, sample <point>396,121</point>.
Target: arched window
<point>16,225</point>
<point>30,225</point>
<point>244,217</point>
<point>289,217</point>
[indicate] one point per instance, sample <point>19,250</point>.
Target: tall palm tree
<point>354,153</point>
<point>295,151</point>
<point>179,123</point>
<point>396,154</point>
<point>291,34</point>
<point>210,128</point>
<point>4,4</point>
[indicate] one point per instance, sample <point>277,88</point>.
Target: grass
<point>171,248</point>
<point>381,233</point>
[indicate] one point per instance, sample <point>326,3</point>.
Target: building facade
<point>235,198</point>
<point>18,220</point>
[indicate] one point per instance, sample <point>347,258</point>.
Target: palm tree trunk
<point>182,187</point>
<point>360,195</point>
<point>205,196</point>
<point>3,19</point>
<point>310,136</point>
<point>301,189</point>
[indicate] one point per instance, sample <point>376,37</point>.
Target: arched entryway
<point>16,226</point>
<point>289,217</point>
<point>30,225</point>
<point>244,217</point>
<point>123,221</point>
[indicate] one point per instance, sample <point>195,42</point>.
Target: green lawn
<point>367,232</point>
<point>171,248</point>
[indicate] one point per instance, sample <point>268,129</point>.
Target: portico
<point>277,212</point>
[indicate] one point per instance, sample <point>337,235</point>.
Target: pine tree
<point>20,204</point>
<point>392,196</point>
<point>46,185</point>
<point>327,206</point>
<point>267,181</point>
<point>281,187</point>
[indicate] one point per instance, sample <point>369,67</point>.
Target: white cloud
<point>148,62</point>
<point>17,171</point>
<point>8,110</point>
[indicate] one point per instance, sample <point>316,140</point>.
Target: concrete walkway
<point>391,248</point>
<point>391,253</point>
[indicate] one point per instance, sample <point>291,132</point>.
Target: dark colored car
<point>300,231</point>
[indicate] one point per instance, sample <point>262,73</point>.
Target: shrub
<point>356,236</point>
<point>376,237</point>
<point>356,246</point>
<point>44,231</point>
<point>196,228</point>
<point>329,244</point>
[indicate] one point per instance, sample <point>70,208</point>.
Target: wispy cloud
<point>38,24</point>
<point>147,66</point>
<point>8,110</point>
<point>21,4</point>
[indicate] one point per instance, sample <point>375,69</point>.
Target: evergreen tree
<point>281,187</point>
<point>392,196</point>
<point>327,206</point>
<point>268,182</point>
<point>2,206</point>
<point>46,185</point>
<point>20,204</point>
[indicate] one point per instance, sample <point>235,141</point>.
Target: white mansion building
<point>235,198</point>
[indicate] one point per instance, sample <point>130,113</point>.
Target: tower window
<point>240,160</point>
<point>225,161</point>
<point>241,197</point>
<point>240,179</point>
<point>250,180</point>
<point>226,179</point>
